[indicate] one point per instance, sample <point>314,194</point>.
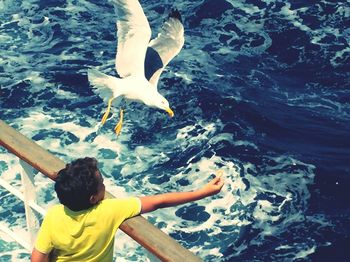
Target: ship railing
<point>34,158</point>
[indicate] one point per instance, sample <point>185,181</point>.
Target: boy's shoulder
<point>54,212</point>
<point>55,208</point>
<point>119,203</point>
<point>121,200</point>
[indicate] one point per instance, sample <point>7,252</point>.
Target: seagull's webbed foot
<point>105,116</point>
<point>118,127</point>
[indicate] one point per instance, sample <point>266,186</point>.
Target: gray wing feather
<point>167,44</point>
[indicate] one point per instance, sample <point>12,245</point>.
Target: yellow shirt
<point>86,235</point>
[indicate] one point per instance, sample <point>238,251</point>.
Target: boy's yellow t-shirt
<point>86,235</point>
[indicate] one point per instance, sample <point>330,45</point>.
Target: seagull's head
<point>158,101</point>
<point>164,105</point>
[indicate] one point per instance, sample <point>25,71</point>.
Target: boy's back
<point>86,235</point>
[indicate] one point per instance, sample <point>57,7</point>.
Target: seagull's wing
<point>134,33</point>
<point>164,47</point>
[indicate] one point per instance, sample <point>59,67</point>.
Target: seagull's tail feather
<point>103,85</point>
<point>96,77</point>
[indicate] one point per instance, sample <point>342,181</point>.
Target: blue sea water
<point>260,90</point>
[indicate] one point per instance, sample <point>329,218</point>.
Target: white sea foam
<point>269,197</point>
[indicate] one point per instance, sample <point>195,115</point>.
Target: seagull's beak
<point>169,111</point>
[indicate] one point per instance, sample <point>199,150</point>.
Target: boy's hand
<point>214,186</point>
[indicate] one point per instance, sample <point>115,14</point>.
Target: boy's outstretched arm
<point>150,203</point>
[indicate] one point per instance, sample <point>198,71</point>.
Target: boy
<point>82,228</point>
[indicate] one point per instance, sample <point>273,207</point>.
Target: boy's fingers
<point>215,181</point>
<point>218,179</point>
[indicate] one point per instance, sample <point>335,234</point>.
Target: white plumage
<point>135,52</point>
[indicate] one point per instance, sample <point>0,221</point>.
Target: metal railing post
<point>32,217</point>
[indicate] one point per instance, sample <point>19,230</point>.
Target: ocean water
<point>260,90</point>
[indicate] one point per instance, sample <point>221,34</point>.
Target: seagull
<point>139,62</point>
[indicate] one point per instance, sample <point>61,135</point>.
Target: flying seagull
<point>139,61</point>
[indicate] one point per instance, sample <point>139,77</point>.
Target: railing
<point>33,156</point>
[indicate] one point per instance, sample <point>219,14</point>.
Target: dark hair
<point>76,183</point>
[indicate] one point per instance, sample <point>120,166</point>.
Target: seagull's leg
<point>118,127</point>
<point>104,118</point>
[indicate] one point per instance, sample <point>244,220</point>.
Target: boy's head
<point>80,185</point>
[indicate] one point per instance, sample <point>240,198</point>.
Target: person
<point>83,225</point>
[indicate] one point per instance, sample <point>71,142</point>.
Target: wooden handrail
<point>146,234</point>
